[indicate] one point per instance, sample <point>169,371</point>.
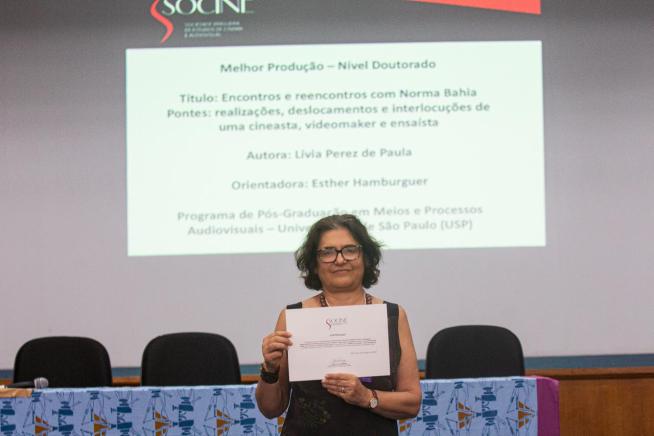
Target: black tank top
<point>314,411</point>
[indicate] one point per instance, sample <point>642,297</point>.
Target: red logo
<point>524,6</point>
<point>163,20</point>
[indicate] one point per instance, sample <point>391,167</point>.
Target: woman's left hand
<point>348,387</point>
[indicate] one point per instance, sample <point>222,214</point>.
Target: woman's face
<point>341,275</point>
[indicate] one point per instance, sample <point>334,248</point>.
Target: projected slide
<point>240,149</point>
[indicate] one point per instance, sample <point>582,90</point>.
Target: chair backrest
<point>66,361</point>
<point>190,359</point>
<point>471,351</point>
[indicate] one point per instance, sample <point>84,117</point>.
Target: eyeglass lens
<point>349,252</point>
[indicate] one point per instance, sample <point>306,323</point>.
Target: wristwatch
<point>374,401</point>
<point>268,377</point>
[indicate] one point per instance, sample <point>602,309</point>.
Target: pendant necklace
<point>367,299</point>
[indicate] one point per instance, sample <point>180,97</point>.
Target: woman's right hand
<point>273,348</point>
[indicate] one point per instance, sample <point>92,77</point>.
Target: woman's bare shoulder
<point>311,302</point>
<point>377,300</point>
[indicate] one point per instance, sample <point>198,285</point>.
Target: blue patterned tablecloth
<point>494,406</point>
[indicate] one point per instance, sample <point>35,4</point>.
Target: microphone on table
<point>37,383</point>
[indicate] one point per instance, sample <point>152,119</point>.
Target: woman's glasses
<point>349,252</point>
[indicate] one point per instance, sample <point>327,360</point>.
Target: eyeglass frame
<point>359,248</point>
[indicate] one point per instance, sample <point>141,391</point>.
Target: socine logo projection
<point>162,11</point>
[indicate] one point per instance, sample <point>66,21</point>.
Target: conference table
<point>512,406</point>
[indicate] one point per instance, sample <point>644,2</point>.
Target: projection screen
<point>160,161</point>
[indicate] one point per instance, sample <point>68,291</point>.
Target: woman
<point>340,258</point>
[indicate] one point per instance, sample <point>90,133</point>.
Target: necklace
<point>367,299</point>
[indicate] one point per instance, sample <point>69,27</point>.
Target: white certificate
<point>341,339</point>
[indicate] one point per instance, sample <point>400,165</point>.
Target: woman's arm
<point>404,402</point>
<point>272,398</point>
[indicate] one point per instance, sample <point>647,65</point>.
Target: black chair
<point>190,359</point>
<point>66,361</point>
<point>471,351</point>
